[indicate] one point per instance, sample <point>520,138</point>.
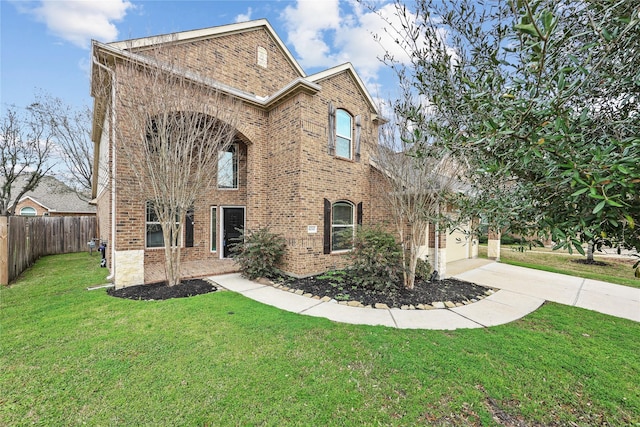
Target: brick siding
<point>285,169</point>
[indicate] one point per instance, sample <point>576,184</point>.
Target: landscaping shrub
<point>258,253</point>
<point>423,269</point>
<point>339,280</point>
<point>376,258</point>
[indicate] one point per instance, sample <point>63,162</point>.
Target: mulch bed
<point>160,290</point>
<point>424,292</point>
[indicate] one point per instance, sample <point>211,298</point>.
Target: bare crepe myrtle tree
<point>26,145</point>
<point>172,125</point>
<point>420,176</point>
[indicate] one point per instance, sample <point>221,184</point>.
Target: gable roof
<point>127,48</point>
<point>56,196</point>
<point>296,84</point>
<point>346,67</point>
<point>104,53</point>
<point>206,33</point>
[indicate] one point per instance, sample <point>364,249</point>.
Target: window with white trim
<point>28,211</point>
<point>154,235</point>
<point>342,226</point>
<point>214,229</point>
<point>344,134</point>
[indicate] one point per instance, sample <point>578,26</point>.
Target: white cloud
<point>79,21</point>
<point>328,33</point>
<point>243,17</point>
<point>85,66</point>
<point>357,43</point>
<point>310,25</point>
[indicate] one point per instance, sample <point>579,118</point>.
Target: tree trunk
<point>590,253</point>
<point>172,252</point>
<point>413,261</point>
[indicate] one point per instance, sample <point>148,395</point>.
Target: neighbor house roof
<point>56,196</point>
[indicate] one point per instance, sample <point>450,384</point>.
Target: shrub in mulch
<point>339,285</point>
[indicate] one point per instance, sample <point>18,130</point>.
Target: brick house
<point>52,198</point>
<point>300,166</point>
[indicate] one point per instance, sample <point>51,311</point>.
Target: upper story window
<point>343,134</point>
<point>344,137</point>
<point>28,211</point>
<point>228,168</point>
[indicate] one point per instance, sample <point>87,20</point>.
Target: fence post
<point>4,250</point>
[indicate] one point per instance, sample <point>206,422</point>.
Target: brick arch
<point>241,137</point>
<point>152,119</point>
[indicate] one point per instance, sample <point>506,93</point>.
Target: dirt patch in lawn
<point>587,262</point>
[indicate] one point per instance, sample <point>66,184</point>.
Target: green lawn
<point>71,356</point>
<point>617,270</point>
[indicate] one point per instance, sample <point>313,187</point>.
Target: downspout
<point>112,128</point>
<point>436,246</point>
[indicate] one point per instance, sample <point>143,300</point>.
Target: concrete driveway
<point>603,297</point>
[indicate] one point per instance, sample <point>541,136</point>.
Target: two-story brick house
<point>300,164</point>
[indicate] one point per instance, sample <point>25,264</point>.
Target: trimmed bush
<point>423,269</point>
<point>258,253</point>
<point>377,259</point>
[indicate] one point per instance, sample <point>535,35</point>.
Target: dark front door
<point>233,224</point>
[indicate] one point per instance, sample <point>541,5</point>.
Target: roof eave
<point>348,67</point>
<point>299,84</point>
<point>34,201</point>
<point>205,33</point>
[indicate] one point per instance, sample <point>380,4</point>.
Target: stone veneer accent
<point>130,268</point>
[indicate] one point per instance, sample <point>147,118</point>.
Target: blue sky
<point>45,44</point>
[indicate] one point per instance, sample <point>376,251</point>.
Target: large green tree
<point>541,98</point>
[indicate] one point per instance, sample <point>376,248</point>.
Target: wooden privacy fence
<point>25,239</point>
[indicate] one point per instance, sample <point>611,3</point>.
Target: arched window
<point>28,211</point>
<point>344,134</point>
<point>342,226</point>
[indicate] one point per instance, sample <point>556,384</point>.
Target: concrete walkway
<point>522,291</point>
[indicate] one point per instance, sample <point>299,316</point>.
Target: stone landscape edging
<point>435,305</point>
